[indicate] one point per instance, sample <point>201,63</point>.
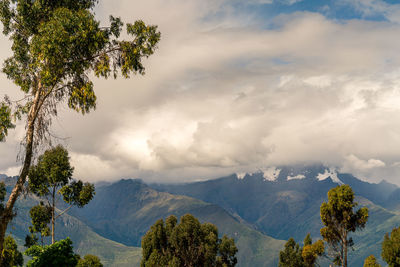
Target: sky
<point>237,86</point>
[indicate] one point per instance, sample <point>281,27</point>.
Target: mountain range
<point>259,210</point>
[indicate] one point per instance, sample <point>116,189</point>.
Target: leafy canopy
<point>370,261</point>
<point>5,120</point>
<point>56,45</point>
<point>40,218</point>
<point>339,219</point>
<point>52,176</point>
<point>295,256</point>
<point>311,251</point>
<point>89,261</point>
<point>58,254</point>
<point>11,256</point>
<point>291,255</point>
<point>391,248</point>
<point>188,243</point>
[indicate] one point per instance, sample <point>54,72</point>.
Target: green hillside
<point>85,240</point>
<point>112,225</point>
<point>127,217</point>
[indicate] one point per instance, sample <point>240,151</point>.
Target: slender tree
<point>51,177</point>
<point>340,219</point>
<point>56,45</point>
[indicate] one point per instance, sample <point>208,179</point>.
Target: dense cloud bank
<point>229,91</point>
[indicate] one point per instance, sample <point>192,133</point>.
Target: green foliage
<point>52,175</point>
<point>40,218</point>
<point>11,256</point>
<point>58,254</point>
<point>291,255</point>
<point>31,240</point>
<point>311,253</point>
<point>307,240</point>
<point>370,261</point>
<point>188,243</point>
<point>339,219</point>
<point>5,120</point>
<point>57,44</point>
<point>89,261</point>
<point>295,256</point>
<point>77,193</point>
<point>53,170</point>
<point>227,251</point>
<point>391,248</point>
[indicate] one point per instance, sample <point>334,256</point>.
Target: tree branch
<point>64,211</point>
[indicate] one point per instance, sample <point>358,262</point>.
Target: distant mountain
<point>284,202</point>
<point>124,212</point>
<point>259,210</point>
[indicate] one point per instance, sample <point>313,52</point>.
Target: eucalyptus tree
<point>340,219</point>
<point>51,179</point>
<point>391,248</point>
<point>56,45</point>
<point>186,244</point>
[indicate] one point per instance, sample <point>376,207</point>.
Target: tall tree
<point>186,244</point>
<point>340,218</point>
<point>51,177</point>
<point>56,45</point>
<point>391,248</point>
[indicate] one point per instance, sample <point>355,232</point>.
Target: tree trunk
<point>53,218</point>
<point>7,215</point>
<point>345,251</point>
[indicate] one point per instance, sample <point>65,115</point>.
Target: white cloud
<point>222,96</point>
<point>353,162</point>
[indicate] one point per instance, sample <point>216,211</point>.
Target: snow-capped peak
<point>297,177</point>
<point>240,175</point>
<point>271,174</point>
<point>329,173</point>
